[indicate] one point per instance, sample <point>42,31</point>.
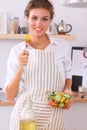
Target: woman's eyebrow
<point>42,16</point>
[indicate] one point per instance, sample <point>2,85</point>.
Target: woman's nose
<point>39,22</point>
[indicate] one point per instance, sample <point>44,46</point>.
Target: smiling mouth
<point>38,29</point>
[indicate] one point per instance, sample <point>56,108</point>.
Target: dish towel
<point>42,74</point>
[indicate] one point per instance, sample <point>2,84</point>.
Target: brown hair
<point>39,4</point>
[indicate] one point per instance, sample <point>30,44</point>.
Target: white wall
<point>77,17</point>
<point>5,47</point>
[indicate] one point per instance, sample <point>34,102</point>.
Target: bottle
<point>27,117</point>
<point>14,23</point>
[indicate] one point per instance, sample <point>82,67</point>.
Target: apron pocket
<point>43,114</point>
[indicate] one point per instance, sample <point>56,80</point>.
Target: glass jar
<point>14,23</point>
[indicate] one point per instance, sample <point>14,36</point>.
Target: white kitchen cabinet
<point>5,112</point>
<point>75,117</point>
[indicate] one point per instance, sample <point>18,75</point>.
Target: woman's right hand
<point>13,87</point>
<point>23,58</point>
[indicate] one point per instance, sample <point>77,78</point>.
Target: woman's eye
<point>34,18</point>
<point>45,19</point>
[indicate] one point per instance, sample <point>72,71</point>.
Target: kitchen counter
<point>78,98</point>
<point>7,103</point>
<point>4,101</point>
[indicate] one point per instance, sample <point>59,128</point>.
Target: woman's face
<point>38,21</point>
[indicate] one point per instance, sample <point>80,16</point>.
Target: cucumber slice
<point>67,96</point>
<point>58,98</point>
<point>61,105</point>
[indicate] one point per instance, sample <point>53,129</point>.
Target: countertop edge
<point>12,103</point>
<point>78,98</point>
<point>7,103</point>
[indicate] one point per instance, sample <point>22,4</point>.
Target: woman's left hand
<point>70,92</point>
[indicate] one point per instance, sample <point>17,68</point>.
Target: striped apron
<point>42,74</point>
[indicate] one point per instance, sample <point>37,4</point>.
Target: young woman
<point>41,65</point>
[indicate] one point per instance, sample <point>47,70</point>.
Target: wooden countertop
<point>4,101</point>
<point>78,98</point>
<point>7,103</point>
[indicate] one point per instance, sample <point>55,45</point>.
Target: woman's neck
<point>40,42</point>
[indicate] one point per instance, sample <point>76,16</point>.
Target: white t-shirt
<point>61,49</point>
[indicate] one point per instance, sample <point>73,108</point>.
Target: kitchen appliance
<point>76,3</point>
<point>63,28</point>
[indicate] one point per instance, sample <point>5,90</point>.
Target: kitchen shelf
<point>12,36</point>
<point>21,36</point>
